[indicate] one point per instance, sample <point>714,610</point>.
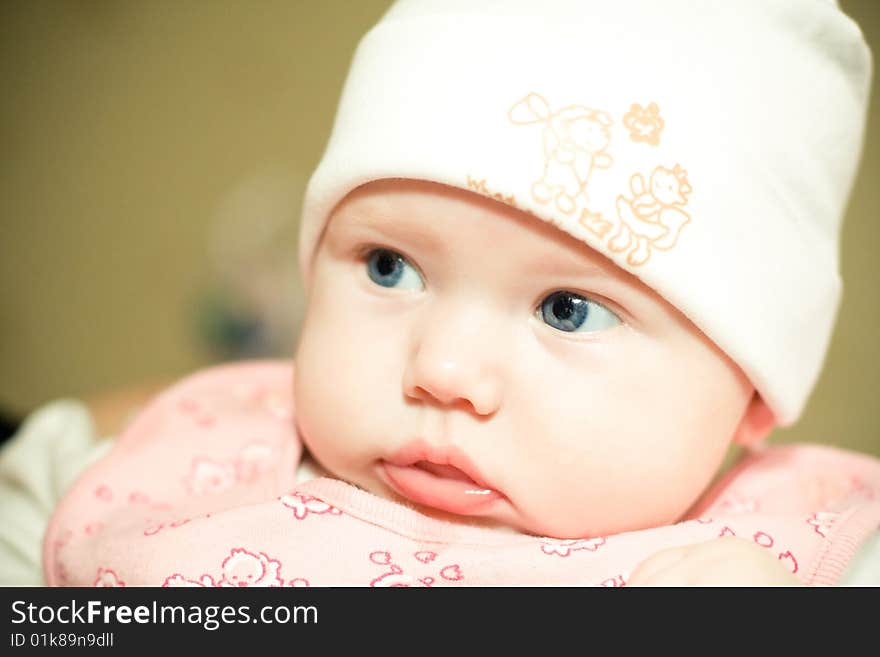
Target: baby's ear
<point>757,422</point>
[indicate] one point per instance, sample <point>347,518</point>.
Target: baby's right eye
<point>390,269</point>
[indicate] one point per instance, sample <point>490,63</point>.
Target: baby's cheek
<point>620,501</point>
<point>319,388</point>
<point>311,397</point>
<point>617,479</point>
<point>342,396</point>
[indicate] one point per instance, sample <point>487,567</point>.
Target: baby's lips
<point>445,471</point>
<point>444,461</point>
<point>460,495</point>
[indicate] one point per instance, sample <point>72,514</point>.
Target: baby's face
<point>464,357</point>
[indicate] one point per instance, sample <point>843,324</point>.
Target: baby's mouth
<point>439,485</point>
<point>445,472</point>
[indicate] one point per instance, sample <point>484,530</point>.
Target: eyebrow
<point>556,264</point>
<point>383,227</point>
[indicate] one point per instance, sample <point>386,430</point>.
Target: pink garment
<point>201,491</point>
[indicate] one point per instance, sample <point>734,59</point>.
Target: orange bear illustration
<point>652,218</point>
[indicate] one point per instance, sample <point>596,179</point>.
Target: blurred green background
<point>154,157</point>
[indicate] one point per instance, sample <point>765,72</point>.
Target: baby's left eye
<point>571,312</point>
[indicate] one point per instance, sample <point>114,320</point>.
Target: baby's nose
<point>454,360</point>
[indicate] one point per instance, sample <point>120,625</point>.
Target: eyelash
<point>362,253</point>
<point>362,256</point>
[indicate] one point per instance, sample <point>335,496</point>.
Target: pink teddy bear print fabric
<point>201,490</point>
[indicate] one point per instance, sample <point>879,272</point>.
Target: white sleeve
<point>37,465</point>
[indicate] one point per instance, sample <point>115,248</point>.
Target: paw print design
<point>765,540</point>
<point>564,548</point>
<point>303,505</point>
<point>652,218</point>
<point>107,578</point>
<point>822,522</point>
<point>575,140</point>
<point>644,123</point>
<point>787,558</point>
<point>396,577</point>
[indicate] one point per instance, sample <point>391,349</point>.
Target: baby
<point>558,257</point>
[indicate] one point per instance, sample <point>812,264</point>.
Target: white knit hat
<point>707,147</point>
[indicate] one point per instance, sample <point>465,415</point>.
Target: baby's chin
<point>567,529</point>
<point>552,522</point>
<point>556,528</point>
<point>636,509</point>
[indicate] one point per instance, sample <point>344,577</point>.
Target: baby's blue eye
<point>390,269</point>
<point>570,312</point>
